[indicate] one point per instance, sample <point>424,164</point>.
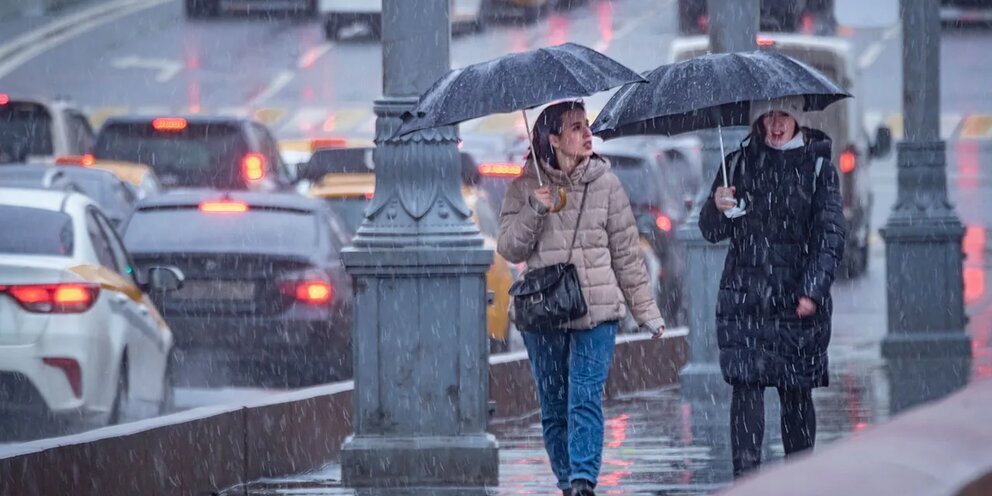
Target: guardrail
<point>211,448</point>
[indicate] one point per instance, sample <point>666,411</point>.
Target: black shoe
<point>582,487</point>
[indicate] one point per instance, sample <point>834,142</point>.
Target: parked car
<point>115,197</point>
<point>500,158</point>
<point>659,207</point>
<point>40,130</point>
<point>347,184</point>
<point>852,149</point>
<point>197,152</point>
<point>266,299</point>
<point>79,335</point>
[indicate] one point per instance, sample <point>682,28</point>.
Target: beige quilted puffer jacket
<point>606,254</point>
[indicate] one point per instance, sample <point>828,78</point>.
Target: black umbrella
<point>513,82</point>
<point>711,91</point>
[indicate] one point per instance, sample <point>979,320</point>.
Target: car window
<point>259,230</point>
<point>101,244</point>
<point>26,125</point>
<point>39,232</point>
<point>80,133</point>
<point>638,180</point>
<point>200,154</point>
<point>121,259</point>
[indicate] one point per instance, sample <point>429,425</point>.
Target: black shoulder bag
<point>548,298</point>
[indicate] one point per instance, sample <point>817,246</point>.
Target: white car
<point>338,14</point>
<point>78,336</point>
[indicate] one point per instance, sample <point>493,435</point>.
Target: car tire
<point>120,395</point>
<point>331,28</point>
<point>199,9</point>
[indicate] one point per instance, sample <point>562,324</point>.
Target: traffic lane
<point>350,71</point>
<point>157,57</point>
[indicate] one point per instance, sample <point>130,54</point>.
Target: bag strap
<point>575,233</point>
<point>816,172</point>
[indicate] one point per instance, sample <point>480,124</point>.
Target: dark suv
<point>265,301</point>
<point>197,152</point>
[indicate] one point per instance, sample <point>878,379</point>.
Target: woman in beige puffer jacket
<point>570,366</point>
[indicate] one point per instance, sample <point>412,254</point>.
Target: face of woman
<point>575,140</point>
<point>779,128</point>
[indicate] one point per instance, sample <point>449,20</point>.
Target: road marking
<point>308,59</point>
<point>167,69</point>
<point>275,86</point>
<point>35,43</point>
<point>871,54</point>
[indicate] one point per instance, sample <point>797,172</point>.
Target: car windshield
<point>40,232</point>
<point>24,124</point>
<point>201,154</point>
<point>267,231</point>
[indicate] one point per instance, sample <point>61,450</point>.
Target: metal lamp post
<point>927,351</point>
<point>420,344</point>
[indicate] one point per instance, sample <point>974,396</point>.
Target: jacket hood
<point>586,172</point>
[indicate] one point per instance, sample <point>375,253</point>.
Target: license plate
<point>217,290</point>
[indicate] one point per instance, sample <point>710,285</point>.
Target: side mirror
<point>164,279</point>
<point>883,142</point>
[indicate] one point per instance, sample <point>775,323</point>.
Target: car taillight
<point>4,99</point>
<point>54,298</point>
<point>661,220</point>
<point>761,41</point>
<point>500,170</point>
<point>71,370</point>
<point>848,161</point>
<point>313,289</point>
<point>85,160</point>
<point>223,207</point>
<point>253,167</point>
<point>169,124</point>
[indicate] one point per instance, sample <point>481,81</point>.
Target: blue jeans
<point>570,371</point>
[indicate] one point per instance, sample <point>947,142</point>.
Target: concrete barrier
<point>942,449</point>
<point>207,449</point>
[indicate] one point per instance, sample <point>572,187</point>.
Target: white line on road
<point>167,69</point>
<point>35,42</point>
<point>308,59</point>
<point>277,84</point>
<point>871,54</point>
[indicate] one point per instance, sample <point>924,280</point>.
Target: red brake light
<point>319,143</point>
<point>70,368</point>
<point>169,124</point>
<point>663,223</point>
<point>223,207</point>
<point>764,42</point>
<point>55,298</point>
<point>848,161</point>
<point>253,167</point>
<point>501,170</point>
<point>312,291</point>
<point>4,99</point>
<point>85,160</point>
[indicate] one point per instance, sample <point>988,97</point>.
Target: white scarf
<point>740,209</point>
<point>795,142</point>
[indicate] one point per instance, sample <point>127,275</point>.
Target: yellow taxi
<point>141,176</point>
<point>349,193</point>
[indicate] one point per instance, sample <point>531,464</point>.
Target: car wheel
<point>331,28</point>
<point>120,395</point>
<point>168,402</point>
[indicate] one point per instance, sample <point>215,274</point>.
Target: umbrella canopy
<point>514,82</point>
<point>710,91</point>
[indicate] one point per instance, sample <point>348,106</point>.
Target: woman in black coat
<point>783,216</point>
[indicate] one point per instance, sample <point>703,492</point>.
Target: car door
<point>146,343</point>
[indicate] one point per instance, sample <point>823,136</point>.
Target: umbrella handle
<point>723,156</point>
<point>533,155</point>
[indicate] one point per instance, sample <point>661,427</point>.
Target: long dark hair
<point>548,123</point>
